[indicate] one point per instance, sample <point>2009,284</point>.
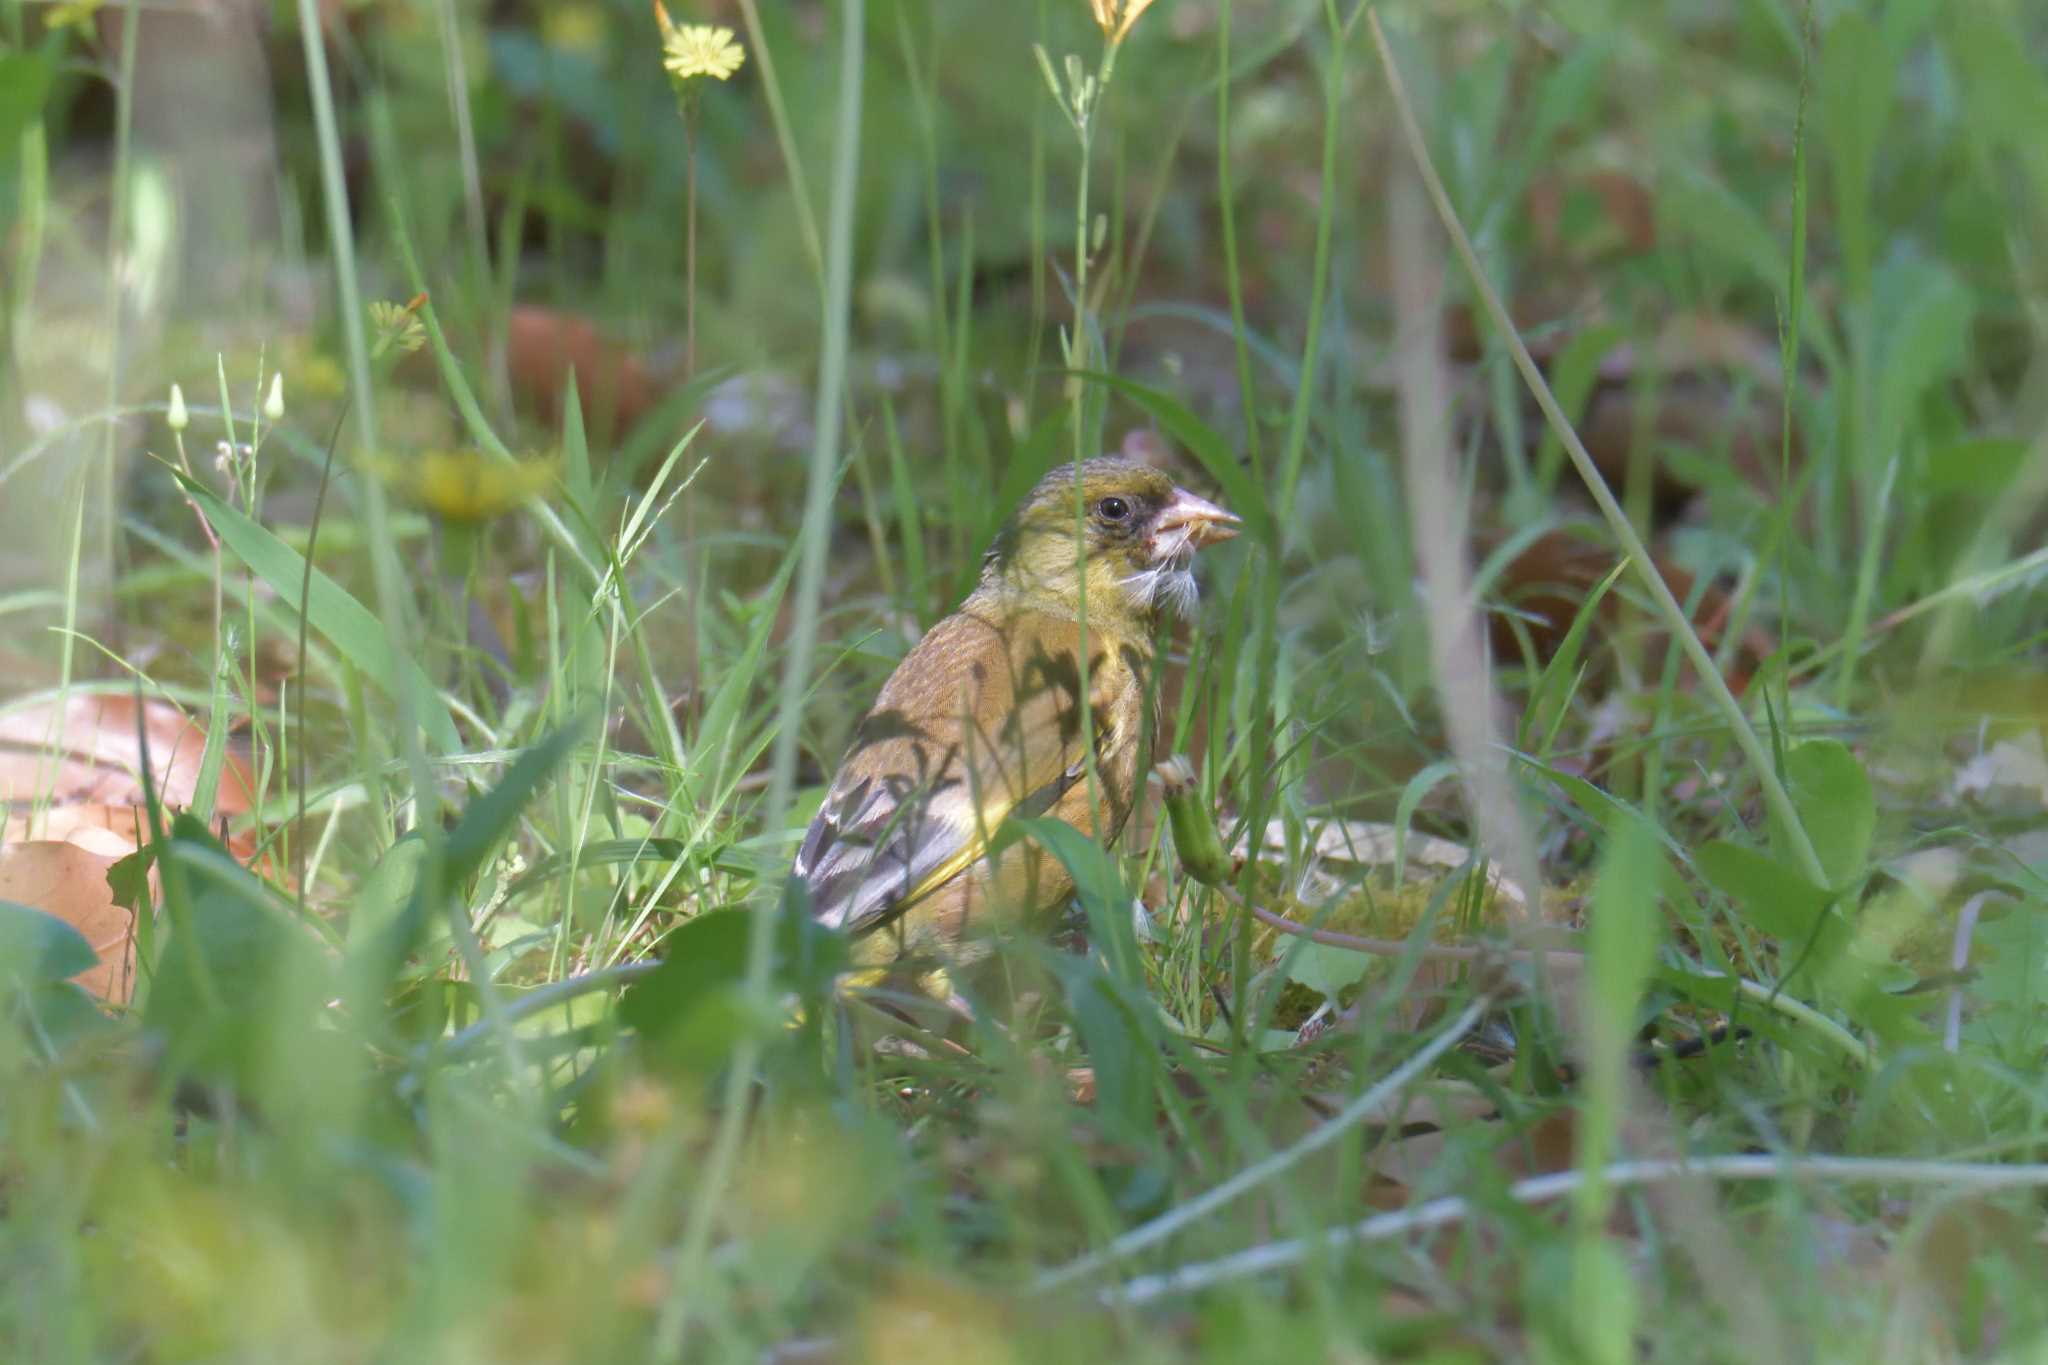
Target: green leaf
<point>1327,971</point>
<point>382,896</point>
<point>1113,1028</point>
<point>1626,931</point>
<point>1724,226</point>
<point>1099,885</point>
<point>1981,466</point>
<point>347,623</point>
<point>38,947</point>
<point>1833,796</point>
<point>692,1009</point>
<point>25,79</point>
<point>489,818</point>
<point>1924,319</point>
<point>239,987</point>
<point>1771,895</point>
<point>1856,88</point>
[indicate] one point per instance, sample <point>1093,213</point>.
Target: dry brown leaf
<point>613,385</point>
<point>1550,579</point>
<point>72,802</point>
<point>70,882</point>
<point>109,831</point>
<point>99,758</point>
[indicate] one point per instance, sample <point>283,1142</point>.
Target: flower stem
<point>689,248</point>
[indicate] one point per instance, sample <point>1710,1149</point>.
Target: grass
<point>537,1058</point>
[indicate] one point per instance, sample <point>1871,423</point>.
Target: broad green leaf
<point>1770,895</point>
<point>1835,803</point>
<point>1327,971</point>
<point>390,886</point>
<point>694,1008</point>
<point>1723,225</point>
<point>1981,466</point>
<point>239,987</point>
<point>355,632</point>
<point>38,947</point>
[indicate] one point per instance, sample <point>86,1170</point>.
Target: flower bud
<point>177,418</point>
<point>273,406</point>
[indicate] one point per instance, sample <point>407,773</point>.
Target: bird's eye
<point>1113,509</point>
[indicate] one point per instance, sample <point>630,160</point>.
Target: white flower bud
<point>273,406</point>
<point>177,418</point>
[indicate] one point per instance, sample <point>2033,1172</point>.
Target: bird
<point>982,721</point>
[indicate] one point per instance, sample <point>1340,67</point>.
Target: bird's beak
<point>1204,521</point>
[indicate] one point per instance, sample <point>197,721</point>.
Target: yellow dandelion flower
<point>692,50</point>
<point>1115,17</point>
<point>466,486</point>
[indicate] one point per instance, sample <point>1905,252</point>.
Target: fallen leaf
<point>98,755</point>
<point>70,882</point>
<point>1548,582</point>
<point>542,346</point>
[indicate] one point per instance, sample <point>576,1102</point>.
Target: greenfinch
<point>981,721</point>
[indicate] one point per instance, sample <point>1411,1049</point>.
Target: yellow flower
<point>1116,16</point>
<point>465,485</point>
<point>398,326</point>
<point>691,50</point>
<point>76,14</point>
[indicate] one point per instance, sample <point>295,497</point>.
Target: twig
<point>1544,1188</point>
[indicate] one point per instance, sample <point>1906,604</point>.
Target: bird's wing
<point>978,723</point>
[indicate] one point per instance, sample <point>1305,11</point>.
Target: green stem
<point>1775,796</point>
<point>778,114</point>
<point>117,228</point>
<point>835,324</point>
<point>1226,203</point>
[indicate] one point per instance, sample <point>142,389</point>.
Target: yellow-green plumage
<point>982,720</point>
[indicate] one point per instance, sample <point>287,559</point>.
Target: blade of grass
<point>1775,795</point>
<point>671,1332</point>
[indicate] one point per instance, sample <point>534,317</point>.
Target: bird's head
<point>1136,533</point>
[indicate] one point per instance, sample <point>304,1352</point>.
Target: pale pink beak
<point>1204,521</point>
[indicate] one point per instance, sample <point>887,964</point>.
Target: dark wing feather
<point>977,723</point>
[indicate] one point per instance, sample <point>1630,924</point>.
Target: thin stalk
<point>391,601</point>
<point>1273,1256</point>
<point>690,1273</point>
<point>117,228</point>
<point>689,245</point>
<point>1775,796</point>
<point>778,114</point>
<point>1233,276</point>
<point>1077,343</point>
<point>1319,275</point>
<point>457,73</point>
